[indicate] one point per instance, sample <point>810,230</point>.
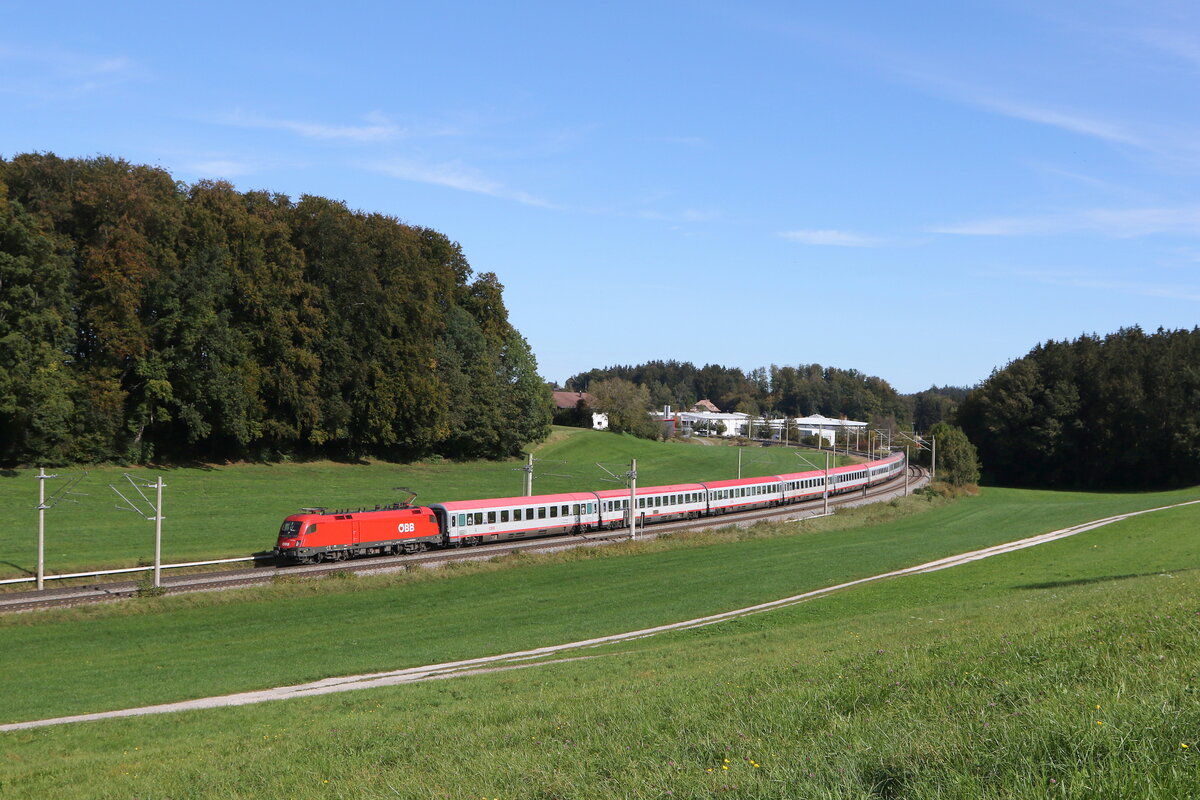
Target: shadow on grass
<point>1100,579</point>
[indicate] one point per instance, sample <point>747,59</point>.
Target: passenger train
<point>320,535</point>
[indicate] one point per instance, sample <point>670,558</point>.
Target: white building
<point>830,429</point>
<point>707,423</point>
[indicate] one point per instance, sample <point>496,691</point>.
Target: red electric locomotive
<point>321,535</point>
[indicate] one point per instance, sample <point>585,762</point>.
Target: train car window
<point>479,518</point>
<point>462,519</point>
<point>516,515</point>
<point>575,510</point>
<point>641,502</point>
<point>542,512</point>
<point>491,518</point>
<point>564,510</point>
<point>553,511</point>
<point>591,508</point>
<point>504,516</point>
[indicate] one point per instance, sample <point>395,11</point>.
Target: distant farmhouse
<point>576,409</point>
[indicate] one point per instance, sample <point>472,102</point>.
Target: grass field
<point>227,511</point>
<point>1067,670</point>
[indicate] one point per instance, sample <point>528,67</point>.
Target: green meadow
<point>225,511</point>
<point>1065,670</point>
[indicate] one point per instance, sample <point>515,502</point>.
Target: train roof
<point>733,483</point>
<point>644,490</point>
<point>511,502</point>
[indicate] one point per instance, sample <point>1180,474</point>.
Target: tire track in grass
<point>525,659</point>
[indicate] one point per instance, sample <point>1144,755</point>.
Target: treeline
<point>788,391</point>
<point>1122,411</point>
<point>143,319</point>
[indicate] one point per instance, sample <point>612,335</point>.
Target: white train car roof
<point>839,470</point>
<point>734,483</point>
<point>503,502</point>
<point>609,494</point>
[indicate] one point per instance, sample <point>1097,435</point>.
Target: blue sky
<point>921,191</point>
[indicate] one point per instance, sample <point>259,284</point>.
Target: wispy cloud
<point>1078,280</point>
<point>376,127</point>
<point>454,175</point>
<point>53,72</point>
<point>832,238</point>
<point>998,102</point>
<point>1072,121</point>
<point>1117,223</point>
<point>1181,45</point>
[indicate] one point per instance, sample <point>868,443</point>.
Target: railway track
<point>63,596</point>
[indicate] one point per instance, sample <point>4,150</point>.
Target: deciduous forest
<point>142,319</point>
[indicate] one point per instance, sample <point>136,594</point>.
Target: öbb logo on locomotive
<point>321,535</point>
